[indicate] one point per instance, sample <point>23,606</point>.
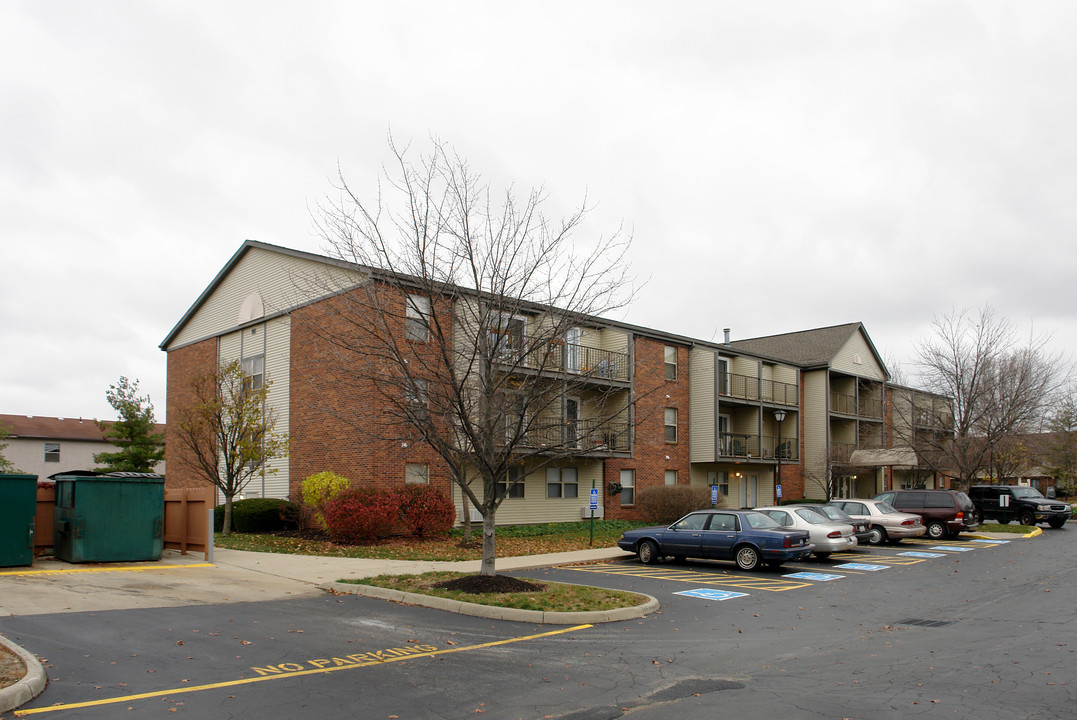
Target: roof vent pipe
<point>726,331</point>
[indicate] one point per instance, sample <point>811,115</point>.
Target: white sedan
<point>827,536</point>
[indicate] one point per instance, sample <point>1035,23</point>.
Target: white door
<point>749,491</point>
<point>572,350</point>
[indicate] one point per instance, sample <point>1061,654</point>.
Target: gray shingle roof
<point>807,348</point>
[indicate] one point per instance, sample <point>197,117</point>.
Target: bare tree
<point>999,386</point>
<point>227,431</point>
<point>462,313</point>
<point>1059,446</point>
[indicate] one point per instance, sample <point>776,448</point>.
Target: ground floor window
<point>671,477</point>
<point>416,473</point>
<point>628,487</point>
<point>513,486</point>
<point>562,482</point>
<point>721,479</point>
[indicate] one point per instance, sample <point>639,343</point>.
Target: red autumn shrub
<point>361,515</point>
<point>425,510</point>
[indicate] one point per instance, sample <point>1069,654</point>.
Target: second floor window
<point>254,368</point>
<point>417,393</point>
<point>417,322</point>
<point>671,363</point>
<point>671,424</point>
<point>52,452</point>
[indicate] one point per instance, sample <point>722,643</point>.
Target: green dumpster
<point>109,518</point>
<point>18,506</point>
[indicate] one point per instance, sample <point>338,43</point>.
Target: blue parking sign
<point>594,498</point>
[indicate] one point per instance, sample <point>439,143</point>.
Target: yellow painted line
<point>699,578</point>
<point>300,673</point>
<point>134,568</point>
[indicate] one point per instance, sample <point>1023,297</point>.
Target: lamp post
<point>779,415</point>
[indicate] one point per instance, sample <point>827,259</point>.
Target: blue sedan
<point>748,537</point>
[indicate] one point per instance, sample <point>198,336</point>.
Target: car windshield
<point>812,516</point>
<point>759,521</point>
<point>1026,492</point>
<point>885,508</point>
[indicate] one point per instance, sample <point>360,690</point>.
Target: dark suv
<point>1017,502</point>
<point>945,512</point>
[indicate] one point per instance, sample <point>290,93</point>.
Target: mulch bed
<point>478,584</point>
<point>11,668</point>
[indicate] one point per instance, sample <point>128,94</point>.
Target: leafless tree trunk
<point>1000,386</point>
<point>459,309</point>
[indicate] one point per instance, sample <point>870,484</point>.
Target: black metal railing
<point>583,435</point>
<point>746,387</point>
<point>747,445</point>
<point>559,356</point>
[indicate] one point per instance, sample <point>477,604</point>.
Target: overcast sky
<point>780,165</point>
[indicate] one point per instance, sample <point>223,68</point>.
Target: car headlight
<point>1043,508</point>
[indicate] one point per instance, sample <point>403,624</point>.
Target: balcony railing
<point>584,435</point>
<point>858,407</point>
<point>747,445</point>
<point>573,358</point>
<point>746,387</point>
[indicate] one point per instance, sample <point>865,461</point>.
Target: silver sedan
<point>885,522</point>
<point>827,536</point>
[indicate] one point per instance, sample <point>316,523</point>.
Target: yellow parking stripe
<point>267,678</point>
<point>120,568</point>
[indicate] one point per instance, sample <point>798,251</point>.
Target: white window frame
<point>671,474</point>
<point>628,487</point>
<point>667,425</point>
<point>52,448</point>
<point>417,310</point>
<point>254,368</point>
<point>670,366</point>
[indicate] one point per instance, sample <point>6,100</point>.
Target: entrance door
<point>572,422</point>
<point>725,444</point>
<point>749,491</point>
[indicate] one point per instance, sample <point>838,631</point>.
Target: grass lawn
<point>511,541</point>
<point>1008,528</point>
<point>552,597</point>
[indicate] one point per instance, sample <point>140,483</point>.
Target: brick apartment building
<point>687,412</point>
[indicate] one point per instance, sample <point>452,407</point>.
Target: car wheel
<point>1055,523</point>
<point>877,536</point>
<point>936,530</point>
<point>978,516</point>
<point>648,552</point>
<point>1027,518</point>
<point>822,555</point>
<point>747,557</point>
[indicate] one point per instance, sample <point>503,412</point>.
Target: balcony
<point>862,407</point>
<point>589,436</point>
<point>556,356</point>
<point>758,447</point>
<point>746,387</point>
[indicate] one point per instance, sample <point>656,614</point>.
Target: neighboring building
<point>732,415</point>
<point>46,446</point>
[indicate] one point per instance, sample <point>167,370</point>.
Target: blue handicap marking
<point>951,548</point>
<point>923,554</point>
<point>820,577</point>
<point>989,542</point>
<point>708,594</point>
<point>863,566</point>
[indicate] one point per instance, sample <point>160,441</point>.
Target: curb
<point>31,684</point>
<point>494,612</point>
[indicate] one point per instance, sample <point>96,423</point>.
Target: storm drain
<point>920,622</point>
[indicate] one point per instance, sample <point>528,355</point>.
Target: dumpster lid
<point>128,474</point>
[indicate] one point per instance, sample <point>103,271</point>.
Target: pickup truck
<point>1018,502</point>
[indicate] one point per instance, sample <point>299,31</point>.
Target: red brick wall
<point>338,419</point>
<point>183,365</point>
<point>652,394</point>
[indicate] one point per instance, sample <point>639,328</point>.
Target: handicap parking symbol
<point>923,554</point>
<point>863,566</point>
<point>708,594</point>
<point>817,577</point>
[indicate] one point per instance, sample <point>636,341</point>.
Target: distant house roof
<point>54,428</point>
<point>807,348</point>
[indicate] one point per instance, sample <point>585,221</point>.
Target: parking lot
<point>954,629</point>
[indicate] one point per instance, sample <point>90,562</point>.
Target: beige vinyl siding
<point>744,366</point>
<point>534,507</point>
<point>816,419</point>
<point>701,421</point>
<point>283,282</point>
<point>273,339</point>
<point>856,347</point>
